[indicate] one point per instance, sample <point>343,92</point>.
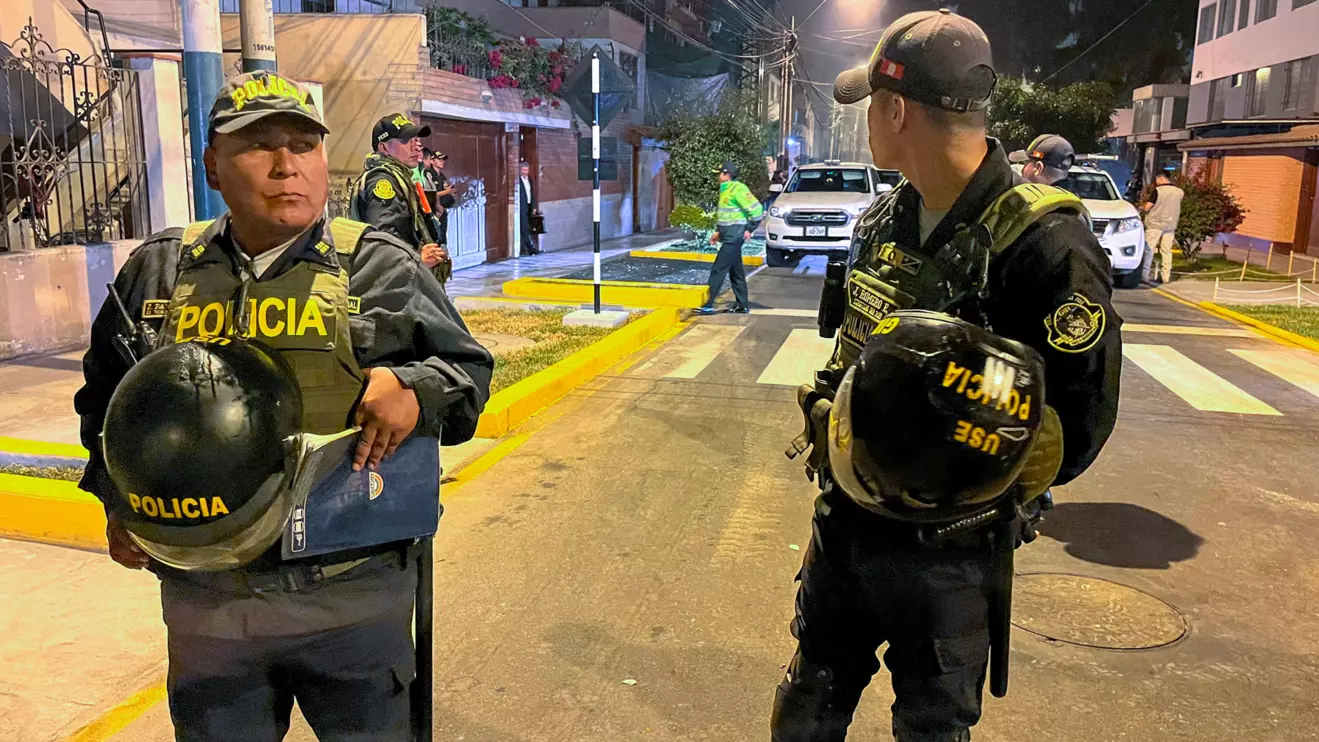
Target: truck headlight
<point>1129,250</point>
<point>776,212</point>
<point>1128,224</point>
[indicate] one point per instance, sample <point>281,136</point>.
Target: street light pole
<point>203,72</point>
<point>257,26</point>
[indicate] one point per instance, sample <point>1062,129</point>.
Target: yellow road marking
<point>695,350</point>
<point>797,360</point>
<point>1222,332</point>
<point>1286,365</point>
<point>113,721</point>
<point>1198,386</point>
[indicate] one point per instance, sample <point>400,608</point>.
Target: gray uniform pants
<point>233,676</point>
<point>728,262</point>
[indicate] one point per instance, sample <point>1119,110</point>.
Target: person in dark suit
<point>526,207</point>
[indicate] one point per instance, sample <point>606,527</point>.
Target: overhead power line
<point>1097,43</point>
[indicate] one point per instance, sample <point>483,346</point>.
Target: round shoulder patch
<point>1076,325</point>
<point>384,190</point>
<point>376,485</point>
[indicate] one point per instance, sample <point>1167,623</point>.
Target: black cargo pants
<point>728,262</point>
<point>344,653</point>
<point>866,580</point>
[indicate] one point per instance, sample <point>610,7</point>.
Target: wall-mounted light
<point>487,96</point>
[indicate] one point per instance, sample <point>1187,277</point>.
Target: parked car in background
<point>816,212</point>
<point>1115,222</point>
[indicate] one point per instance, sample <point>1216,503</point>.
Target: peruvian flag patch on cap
<point>889,68</point>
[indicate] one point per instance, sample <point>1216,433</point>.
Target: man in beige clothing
<point>1161,214</point>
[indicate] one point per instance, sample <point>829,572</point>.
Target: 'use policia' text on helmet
<point>935,420</point>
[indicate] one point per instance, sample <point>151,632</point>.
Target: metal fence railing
<point>459,55</point>
<point>330,6</point>
<point>72,166</point>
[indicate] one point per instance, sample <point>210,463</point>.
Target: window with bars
<point>1291,84</point>
<point>1257,92</point>
<point>1265,9</point>
<point>1244,17</point>
<point>1206,24</point>
<point>1227,17</point>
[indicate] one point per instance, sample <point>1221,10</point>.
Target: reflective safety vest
<point>885,277</point>
<point>303,314</point>
<point>737,205</point>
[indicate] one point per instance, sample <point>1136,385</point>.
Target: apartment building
<point>1253,110</point>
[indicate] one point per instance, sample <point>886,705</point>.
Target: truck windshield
<point>829,180</point>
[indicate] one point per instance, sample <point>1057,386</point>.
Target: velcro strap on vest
<point>347,236</point>
<point>1015,211</point>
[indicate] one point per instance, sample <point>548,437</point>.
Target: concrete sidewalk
<point>1245,292</point>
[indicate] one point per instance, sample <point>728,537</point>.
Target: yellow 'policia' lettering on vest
<point>188,507</point>
<point>270,317</point>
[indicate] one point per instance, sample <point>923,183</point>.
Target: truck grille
<point>817,219</point>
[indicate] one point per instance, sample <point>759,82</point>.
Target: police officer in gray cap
<point>918,563</point>
<point>368,339</point>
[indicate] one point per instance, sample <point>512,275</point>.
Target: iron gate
<point>72,164</point>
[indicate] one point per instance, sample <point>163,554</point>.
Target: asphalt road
<point>626,572</point>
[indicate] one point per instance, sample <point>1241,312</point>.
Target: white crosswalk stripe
<point>797,359</point>
<point>1198,386</point>
<point>1286,365</point>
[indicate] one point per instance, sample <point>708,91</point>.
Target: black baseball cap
<point>427,152</point>
<point>1050,149</point>
<point>730,168</point>
<point>935,57</point>
<point>250,97</point>
<point>397,126</point>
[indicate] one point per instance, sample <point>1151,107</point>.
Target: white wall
<point>568,222</point>
<point>1291,34</point>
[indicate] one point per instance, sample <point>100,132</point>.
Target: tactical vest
<point>885,277</point>
<point>303,314</point>
<point>402,184</point>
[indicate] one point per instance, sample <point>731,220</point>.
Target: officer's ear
<point>208,158</point>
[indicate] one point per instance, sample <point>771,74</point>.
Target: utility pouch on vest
<point>338,509</point>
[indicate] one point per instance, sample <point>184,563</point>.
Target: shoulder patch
<point>1076,325</point>
<point>384,190</point>
<point>155,309</point>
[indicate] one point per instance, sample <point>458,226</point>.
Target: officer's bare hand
<point>714,238</point>
<point>387,413</point>
<point>430,255</point>
<point>746,236</point>
<point>122,548</point>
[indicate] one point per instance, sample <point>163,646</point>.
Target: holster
<point>815,407</point>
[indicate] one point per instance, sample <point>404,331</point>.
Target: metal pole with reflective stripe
<point>595,155</point>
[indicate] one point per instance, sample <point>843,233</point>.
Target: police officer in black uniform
<point>961,236</point>
<point>1046,159</point>
<point>384,195</point>
<point>373,341</point>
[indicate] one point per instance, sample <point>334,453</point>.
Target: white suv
<point>817,210</point>
<point>1115,222</point>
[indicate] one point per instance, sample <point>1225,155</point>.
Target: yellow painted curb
<point>113,721</point>
<point>622,293</point>
<point>1264,327</point>
<point>697,257</point>
<point>51,511</point>
<point>507,408</point>
<point>42,448</point>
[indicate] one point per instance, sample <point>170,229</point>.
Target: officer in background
<point>371,340</point>
<point>384,195</point>
<point>1047,159</point>
<point>432,165</point>
<point>958,237</point>
<point>737,217</point>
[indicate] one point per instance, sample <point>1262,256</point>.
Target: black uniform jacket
<point>387,207</point>
<point>406,324</point>
<point>1033,285</point>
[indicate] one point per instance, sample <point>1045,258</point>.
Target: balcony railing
<point>458,54</point>
<point>331,6</point>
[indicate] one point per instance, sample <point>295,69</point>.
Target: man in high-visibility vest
<point>738,215</point>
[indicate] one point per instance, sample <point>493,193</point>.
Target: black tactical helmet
<point>934,421</point>
<point>197,442</point>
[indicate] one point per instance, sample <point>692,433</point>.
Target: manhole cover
<point>1091,612</point>
<point>504,343</point>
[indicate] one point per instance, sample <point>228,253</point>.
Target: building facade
<point>1253,111</point>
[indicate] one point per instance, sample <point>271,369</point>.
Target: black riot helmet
<point>934,421</point>
<point>197,440</point>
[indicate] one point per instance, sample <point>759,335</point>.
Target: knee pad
<point>810,705</point>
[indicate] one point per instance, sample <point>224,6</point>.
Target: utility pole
<point>203,72</point>
<point>595,156</point>
<point>257,23</point>
<point>786,112</point>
